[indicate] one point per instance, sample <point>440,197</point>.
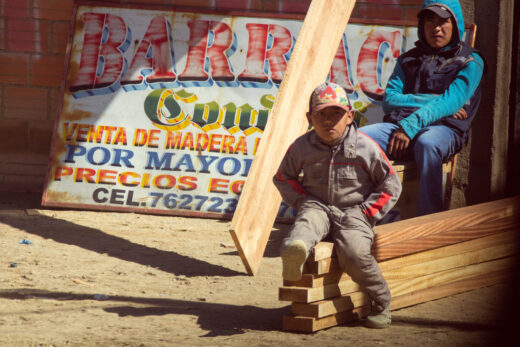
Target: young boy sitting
<point>348,185</point>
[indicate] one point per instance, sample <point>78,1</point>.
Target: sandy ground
<point>122,279</point>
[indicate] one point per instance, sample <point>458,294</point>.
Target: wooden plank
<point>445,221</point>
<point>451,250</point>
<point>312,281</point>
<point>509,240</point>
<point>322,267</point>
<point>325,308</point>
<point>451,275</point>
<point>456,287</point>
<point>416,276</point>
<point>309,66</point>
<point>310,324</point>
<point>432,241</point>
<point>302,294</point>
<point>445,263</point>
<point>401,288</point>
<point>387,235</point>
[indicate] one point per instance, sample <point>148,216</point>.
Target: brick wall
<point>33,41</point>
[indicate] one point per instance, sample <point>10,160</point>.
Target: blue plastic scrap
<point>25,242</point>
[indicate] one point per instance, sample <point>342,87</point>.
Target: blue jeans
<point>432,146</point>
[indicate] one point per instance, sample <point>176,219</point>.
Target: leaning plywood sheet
<point>309,65</point>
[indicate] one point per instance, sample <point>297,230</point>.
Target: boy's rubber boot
<point>379,320</point>
<point>293,258</point>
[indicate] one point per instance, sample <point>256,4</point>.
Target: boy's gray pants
<point>353,236</point>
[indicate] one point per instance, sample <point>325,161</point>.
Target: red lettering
<point>282,43</point>
<point>124,179</point>
<point>257,52</point>
<point>236,187</point>
<point>158,182</point>
<point>187,183</point>
<point>157,40</point>
<point>173,140</point>
<point>218,185</point>
<point>194,70</point>
<point>95,133</point>
<point>339,71</point>
<point>202,141</point>
<point>187,141</point>
<point>223,38</point>
<point>214,142</point>
<point>255,59</point>
<point>370,61</point>
<point>61,172</point>
<point>107,177</point>
<point>140,137</point>
<point>85,174</point>
<point>101,60</point>
<point>82,133</point>
<point>153,137</point>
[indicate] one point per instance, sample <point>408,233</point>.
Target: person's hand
<point>398,144</point>
<point>461,114</point>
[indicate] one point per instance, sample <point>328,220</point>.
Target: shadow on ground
<point>97,241</point>
<point>217,319</point>
<point>436,323</point>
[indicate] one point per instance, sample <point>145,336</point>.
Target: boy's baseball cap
<point>439,9</point>
<point>329,94</point>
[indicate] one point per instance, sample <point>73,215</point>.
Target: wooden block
<point>325,308</point>
<point>314,51</point>
<point>453,236</point>
<point>322,267</point>
<point>313,281</point>
<point>309,324</point>
<point>302,294</point>
<point>322,250</point>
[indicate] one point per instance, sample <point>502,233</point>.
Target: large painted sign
<point>163,111</point>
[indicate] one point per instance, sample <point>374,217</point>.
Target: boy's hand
<point>398,144</point>
<point>461,114</point>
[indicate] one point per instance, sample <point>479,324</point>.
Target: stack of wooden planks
<point>422,259</point>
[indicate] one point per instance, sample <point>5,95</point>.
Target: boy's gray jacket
<point>354,173</point>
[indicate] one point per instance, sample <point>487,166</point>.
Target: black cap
<point>439,9</point>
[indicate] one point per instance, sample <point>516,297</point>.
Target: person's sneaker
<point>293,258</point>
<point>379,320</point>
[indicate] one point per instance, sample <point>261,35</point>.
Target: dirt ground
<point>89,278</point>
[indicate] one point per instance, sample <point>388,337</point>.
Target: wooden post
<point>309,66</point>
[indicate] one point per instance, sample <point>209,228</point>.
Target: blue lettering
<point>185,160</point>
<point>222,165</point>
<point>153,162</point>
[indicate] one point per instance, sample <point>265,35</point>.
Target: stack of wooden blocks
<point>422,259</point>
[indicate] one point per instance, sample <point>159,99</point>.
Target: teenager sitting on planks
<point>348,185</point>
<point>431,99</point>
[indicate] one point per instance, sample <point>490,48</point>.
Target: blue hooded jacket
<point>428,86</point>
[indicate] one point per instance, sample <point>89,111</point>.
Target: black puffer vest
<point>432,72</point>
